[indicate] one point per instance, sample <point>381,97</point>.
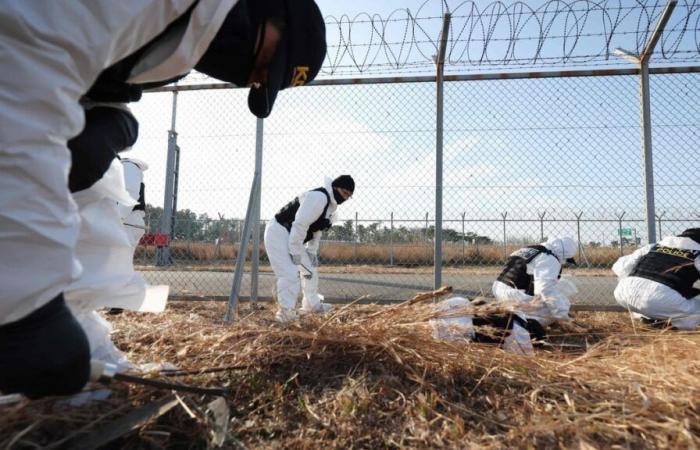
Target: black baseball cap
<point>300,53</point>
<point>692,233</point>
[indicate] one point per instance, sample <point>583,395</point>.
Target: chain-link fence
<point>524,159</point>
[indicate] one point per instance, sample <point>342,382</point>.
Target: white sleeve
<point>697,264</point>
<point>625,264</point>
<point>545,271</point>
<point>311,205</point>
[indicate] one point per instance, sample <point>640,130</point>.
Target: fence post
<point>163,257</point>
<point>619,230</point>
<point>505,241</point>
<point>464,260</point>
<point>659,217</point>
<point>578,231</point>
<point>232,307</point>
<point>541,216</point>
<point>255,257</point>
<point>357,237</point>
<point>391,240</point>
<point>440,82</point>
<point>643,61</point>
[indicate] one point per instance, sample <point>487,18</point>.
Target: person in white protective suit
<point>292,243</point>
<point>55,54</point>
<point>512,331</point>
<point>531,281</point>
<point>656,282</point>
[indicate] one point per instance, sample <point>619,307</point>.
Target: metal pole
<point>647,155</point>
<point>256,217</point>
<point>463,239</point>
<point>541,216</point>
<point>166,221</point>
<point>357,236</point>
<point>440,69</point>
<point>578,231</point>
<point>232,307</point>
<point>659,217</point>
<point>505,242</point>
<point>425,229</point>
<point>619,230</point>
<point>391,240</point>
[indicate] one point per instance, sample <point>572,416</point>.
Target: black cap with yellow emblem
<point>300,54</point>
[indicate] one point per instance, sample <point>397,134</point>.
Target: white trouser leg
<point>691,318</point>
<point>312,300</point>
<point>287,274</point>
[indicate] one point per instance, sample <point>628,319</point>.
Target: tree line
<point>194,227</point>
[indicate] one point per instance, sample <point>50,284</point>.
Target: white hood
<point>563,248</point>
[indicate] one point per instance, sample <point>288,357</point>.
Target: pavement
<point>380,287</point>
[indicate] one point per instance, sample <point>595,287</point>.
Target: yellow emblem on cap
<point>301,74</point>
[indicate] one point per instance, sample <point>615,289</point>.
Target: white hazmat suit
<point>56,54</point>
<point>653,299</point>
<point>533,286</point>
<point>280,244</point>
<point>55,51</point>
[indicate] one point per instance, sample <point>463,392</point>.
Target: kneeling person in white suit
<point>656,281</point>
<point>292,241</point>
<point>534,272</point>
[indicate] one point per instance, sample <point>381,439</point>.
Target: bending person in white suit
<point>657,281</point>
<point>292,242</point>
<point>531,281</point>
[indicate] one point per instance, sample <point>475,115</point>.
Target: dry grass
<point>373,377</point>
<point>415,254</point>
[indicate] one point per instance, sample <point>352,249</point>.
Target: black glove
<point>45,353</point>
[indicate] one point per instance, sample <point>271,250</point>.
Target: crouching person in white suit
<point>531,281</point>
<point>54,53</point>
<point>656,281</point>
<point>292,242</point>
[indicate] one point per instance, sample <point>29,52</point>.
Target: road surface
<point>593,290</point>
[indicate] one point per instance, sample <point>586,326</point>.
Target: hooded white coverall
<point>654,300</point>
<point>280,244</point>
<point>51,53</point>
<point>461,327</point>
<point>552,291</point>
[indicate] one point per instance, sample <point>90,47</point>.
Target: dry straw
<point>373,377</point>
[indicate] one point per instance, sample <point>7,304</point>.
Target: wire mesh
<point>524,160</point>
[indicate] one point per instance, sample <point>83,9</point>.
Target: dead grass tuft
<point>373,377</point>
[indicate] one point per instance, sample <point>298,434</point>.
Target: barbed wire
<point>555,34</point>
